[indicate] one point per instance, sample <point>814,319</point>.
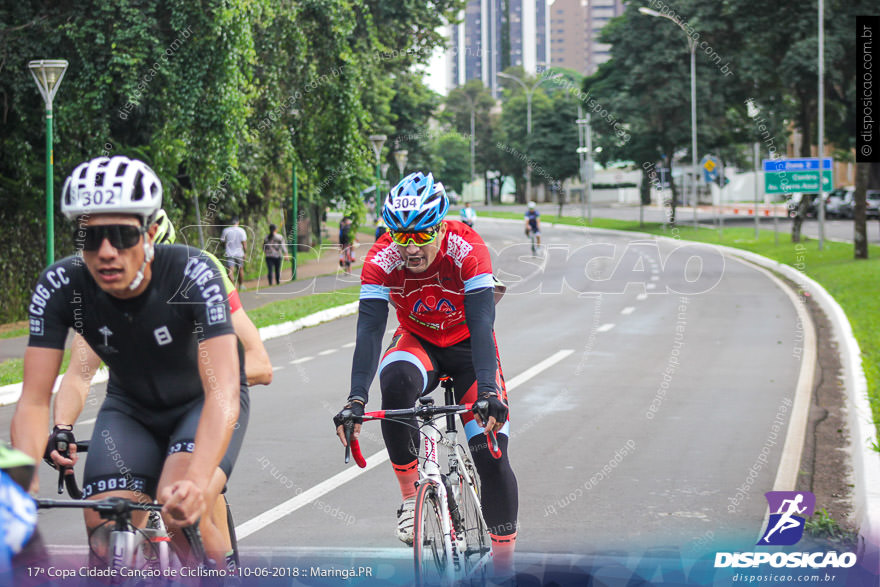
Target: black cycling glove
<point>488,406</point>
<point>60,440</point>
<point>352,412</point>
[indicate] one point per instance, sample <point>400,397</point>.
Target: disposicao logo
<point>785,527</point>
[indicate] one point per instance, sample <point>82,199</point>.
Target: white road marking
<point>327,352</point>
<point>348,345</point>
<point>302,360</point>
<point>655,277</point>
<point>628,310</point>
<point>642,297</point>
<point>273,515</point>
<point>605,328</point>
<point>277,368</point>
<point>84,422</point>
<point>651,286</point>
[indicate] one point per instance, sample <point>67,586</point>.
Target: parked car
<point>840,203</point>
<point>872,201</point>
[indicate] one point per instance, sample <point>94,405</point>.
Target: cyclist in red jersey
<point>438,275</point>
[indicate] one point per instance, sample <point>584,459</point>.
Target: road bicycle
<point>533,241</point>
<point>147,549</point>
<point>137,555</point>
<point>451,543</point>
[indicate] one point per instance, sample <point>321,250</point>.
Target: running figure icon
<point>787,523</point>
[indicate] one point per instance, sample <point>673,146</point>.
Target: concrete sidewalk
<point>314,276</point>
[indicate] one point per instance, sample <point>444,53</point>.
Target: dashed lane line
<point>259,522</point>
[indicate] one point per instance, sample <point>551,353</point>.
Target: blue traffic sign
<point>809,164</point>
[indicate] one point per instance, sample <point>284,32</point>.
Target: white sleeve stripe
<point>370,291</point>
<point>479,282</point>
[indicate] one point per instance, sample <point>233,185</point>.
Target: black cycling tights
<point>401,384</point>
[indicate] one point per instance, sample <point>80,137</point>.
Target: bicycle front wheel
<point>476,534</point>
<point>432,549</point>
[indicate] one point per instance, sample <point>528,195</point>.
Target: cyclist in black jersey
<point>177,399</point>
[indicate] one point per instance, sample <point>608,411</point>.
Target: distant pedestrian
<point>346,244</point>
<point>235,239</point>
<point>273,247</point>
<point>468,216</point>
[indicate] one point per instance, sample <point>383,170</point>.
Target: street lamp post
<point>692,45</point>
<point>377,141</point>
<point>400,157</point>
<point>48,74</point>
<point>529,91</point>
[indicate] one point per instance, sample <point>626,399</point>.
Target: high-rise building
<point>574,28</point>
<point>477,44</point>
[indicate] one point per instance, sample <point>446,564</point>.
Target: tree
<point>451,152</point>
<point>460,102</point>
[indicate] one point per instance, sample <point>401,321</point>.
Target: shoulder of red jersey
<point>383,255</point>
<point>462,241</point>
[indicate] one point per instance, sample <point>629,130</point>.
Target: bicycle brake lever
<point>347,427</point>
<point>494,450</point>
<point>61,471</point>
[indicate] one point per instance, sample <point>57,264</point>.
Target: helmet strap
<point>148,256</point>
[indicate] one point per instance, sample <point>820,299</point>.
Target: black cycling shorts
<point>129,444</point>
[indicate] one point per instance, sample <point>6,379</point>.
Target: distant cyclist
<point>438,275</point>
<point>74,387</point>
<point>467,214</point>
<point>177,401</point>
<point>533,222</point>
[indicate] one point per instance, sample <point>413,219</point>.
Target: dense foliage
<point>220,97</point>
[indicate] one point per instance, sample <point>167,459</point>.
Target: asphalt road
<point>672,364</point>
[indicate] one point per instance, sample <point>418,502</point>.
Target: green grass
<point>853,283</point>
<point>14,332</point>
<point>822,525</point>
<point>10,371</point>
<point>293,309</point>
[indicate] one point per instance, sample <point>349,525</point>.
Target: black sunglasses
<point>121,236</point>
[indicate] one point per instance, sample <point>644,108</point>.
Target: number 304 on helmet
<point>415,204</point>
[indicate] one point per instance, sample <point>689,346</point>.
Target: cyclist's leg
<point>217,542</point>
<point>499,495</point>
<point>124,460</point>
<point>405,372</point>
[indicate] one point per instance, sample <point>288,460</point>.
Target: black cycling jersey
<point>149,343</point>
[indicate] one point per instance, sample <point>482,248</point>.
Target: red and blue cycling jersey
<point>430,304</point>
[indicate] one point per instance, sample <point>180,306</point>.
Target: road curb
<point>865,461</point>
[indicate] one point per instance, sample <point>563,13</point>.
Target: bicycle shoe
<point>405,520</point>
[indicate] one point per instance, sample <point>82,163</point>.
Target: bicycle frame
<point>430,471</point>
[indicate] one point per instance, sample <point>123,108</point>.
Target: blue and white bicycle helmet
<point>415,204</point>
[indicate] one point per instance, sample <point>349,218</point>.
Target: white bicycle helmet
<point>116,185</point>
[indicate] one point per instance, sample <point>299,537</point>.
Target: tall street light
<point>692,45</point>
<point>529,91</point>
<point>377,141</point>
<point>400,157</point>
<point>48,74</point>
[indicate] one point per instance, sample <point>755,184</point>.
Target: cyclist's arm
<point>257,365</point>
<point>219,372</point>
<point>372,319</point>
<point>479,313</point>
<point>31,417</point>
<point>75,383</point>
